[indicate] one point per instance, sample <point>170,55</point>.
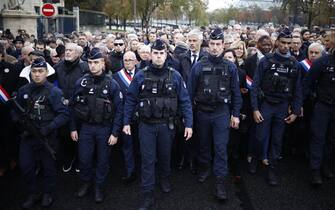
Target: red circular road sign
<point>48,10</point>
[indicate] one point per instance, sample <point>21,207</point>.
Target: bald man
<point>124,78</point>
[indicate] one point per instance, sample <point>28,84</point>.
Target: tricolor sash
<point>126,79</point>
<point>249,81</point>
<point>4,96</point>
<point>306,64</point>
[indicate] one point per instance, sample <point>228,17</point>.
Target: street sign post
<point>48,10</point>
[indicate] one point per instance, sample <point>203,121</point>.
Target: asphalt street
<point>252,192</point>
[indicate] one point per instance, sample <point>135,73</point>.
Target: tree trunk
<point>110,23</point>
<point>124,24</point>
<point>310,18</point>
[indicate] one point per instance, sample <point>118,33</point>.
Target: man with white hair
<point>68,72</point>
<point>110,42</point>
<point>124,78</point>
<point>25,60</point>
<point>144,52</point>
<point>187,61</point>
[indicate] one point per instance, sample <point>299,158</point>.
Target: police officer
<point>276,99</point>
<point>214,89</point>
<point>321,79</point>
<point>124,78</point>
<point>97,114</point>
<point>44,107</point>
<point>157,90</point>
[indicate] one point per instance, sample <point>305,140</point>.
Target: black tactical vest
<point>94,103</point>
<point>214,87</point>
<point>158,97</point>
<point>278,83</point>
<point>39,107</point>
<point>326,84</point>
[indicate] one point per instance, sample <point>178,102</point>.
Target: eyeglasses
<point>118,44</point>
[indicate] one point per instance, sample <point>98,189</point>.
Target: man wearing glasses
<point>124,78</point>
<point>116,56</point>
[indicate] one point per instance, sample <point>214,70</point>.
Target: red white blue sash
<point>4,96</point>
<point>306,64</point>
<point>249,82</point>
<point>126,78</point>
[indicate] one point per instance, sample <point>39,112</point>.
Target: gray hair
<point>317,45</point>
<point>74,46</point>
<point>196,33</point>
<point>144,48</point>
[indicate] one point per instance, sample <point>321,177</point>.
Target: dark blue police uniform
<point>155,129</point>
<point>44,107</point>
<point>156,93</point>
<point>214,89</point>
<point>276,87</point>
<point>321,80</point>
<point>96,111</point>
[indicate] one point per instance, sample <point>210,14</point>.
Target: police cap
<point>158,45</point>
<point>216,34</point>
<point>285,33</point>
<point>95,53</point>
<point>39,63</point>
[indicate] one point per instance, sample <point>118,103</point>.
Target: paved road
<point>251,193</point>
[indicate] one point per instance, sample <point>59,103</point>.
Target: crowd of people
<point>221,95</point>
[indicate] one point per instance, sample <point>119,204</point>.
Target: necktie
<point>194,59</point>
<point>130,73</point>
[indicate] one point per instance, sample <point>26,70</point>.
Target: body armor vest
<point>39,107</point>
<point>214,88</point>
<point>278,83</point>
<point>158,97</point>
<point>94,103</point>
<point>326,84</point>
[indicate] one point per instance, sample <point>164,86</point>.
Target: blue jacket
<point>55,99</point>
<point>196,73</point>
<point>115,95</point>
<point>123,82</point>
<point>136,85</point>
<point>317,70</point>
<point>295,102</point>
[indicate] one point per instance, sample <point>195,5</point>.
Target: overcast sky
<point>215,4</point>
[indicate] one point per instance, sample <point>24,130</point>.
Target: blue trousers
<point>274,126</point>
<point>128,153</point>
<point>213,128</point>
<point>29,149</point>
<point>94,136</point>
<point>322,127</point>
<point>155,142</point>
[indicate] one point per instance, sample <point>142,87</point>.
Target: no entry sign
<point>48,10</point>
